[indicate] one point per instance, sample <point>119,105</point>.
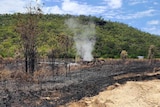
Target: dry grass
<point>22,76</point>
<point>5,75</point>
<point>16,75</point>
<point>38,75</point>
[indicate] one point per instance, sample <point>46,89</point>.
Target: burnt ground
<point>53,91</point>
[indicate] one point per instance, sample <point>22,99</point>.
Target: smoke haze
<point>84,37</point>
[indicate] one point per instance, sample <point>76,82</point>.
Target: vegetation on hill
<point>111,37</point>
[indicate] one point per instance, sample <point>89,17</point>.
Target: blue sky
<point>141,14</point>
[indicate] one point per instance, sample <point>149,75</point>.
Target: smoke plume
<point>84,37</point>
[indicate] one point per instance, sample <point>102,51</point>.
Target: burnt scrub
<point>21,89</point>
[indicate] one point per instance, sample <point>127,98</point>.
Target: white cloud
<point>73,7</point>
<point>76,8</point>
<point>114,4</point>
<point>153,22</point>
<point>112,14</point>
<point>38,1</point>
<point>52,0</point>
<point>11,6</point>
<point>141,14</point>
<point>135,2</point>
<point>152,29</point>
<point>155,3</point>
<point>54,9</point>
<point>67,6</point>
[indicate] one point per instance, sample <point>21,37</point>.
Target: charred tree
<point>52,56</point>
<point>27,27</point>
<point>66,43</point>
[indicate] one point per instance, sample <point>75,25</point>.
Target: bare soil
<point>22,90</point>
<point>131,94</point>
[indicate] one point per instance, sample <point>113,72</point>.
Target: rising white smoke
<point>84,37</point>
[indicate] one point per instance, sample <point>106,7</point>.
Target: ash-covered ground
<point>21,90</point>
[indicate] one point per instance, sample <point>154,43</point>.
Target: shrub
<point>124,54</point>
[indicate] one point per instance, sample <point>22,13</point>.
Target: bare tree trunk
<point>26,63</point>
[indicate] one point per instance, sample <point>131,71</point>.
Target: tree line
<point>111,37</point>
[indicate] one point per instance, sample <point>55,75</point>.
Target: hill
<point>111,37</point>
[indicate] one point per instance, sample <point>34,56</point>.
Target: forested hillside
<point>111,37</point>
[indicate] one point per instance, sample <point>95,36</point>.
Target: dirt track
<point>59,90</point>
